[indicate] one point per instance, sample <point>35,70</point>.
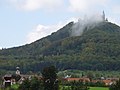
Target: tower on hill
<point>103,16</point>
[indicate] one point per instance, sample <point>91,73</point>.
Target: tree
<point>115,86</point>
<point>90,75</point>
<point>36,84</point>
<point>25,85</point>
<point>33,84</point>
<point>78,85</point>
<point>50,80</point>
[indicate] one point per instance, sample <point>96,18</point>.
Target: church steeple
<point>17,71</point>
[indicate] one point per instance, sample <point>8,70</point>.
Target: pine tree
<point>50,80</point>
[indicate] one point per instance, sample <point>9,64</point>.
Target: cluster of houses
<point>106,81</point>
<point>9,80</point>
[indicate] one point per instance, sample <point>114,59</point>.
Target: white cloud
<point>85,5</point>
<point>0,48</point>
<point>30,5</point>
<point>91,7</point>
<point>41,31</point>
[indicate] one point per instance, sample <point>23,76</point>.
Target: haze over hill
<point>88,22</point>
<point>90,44</point>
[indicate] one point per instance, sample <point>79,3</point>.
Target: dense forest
<point>96,49</point>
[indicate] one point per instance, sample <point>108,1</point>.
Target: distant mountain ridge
<point>96,49</point>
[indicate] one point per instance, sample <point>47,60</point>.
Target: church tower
<point>17,71</point>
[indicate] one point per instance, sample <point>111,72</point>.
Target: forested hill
<point>97,48</point>
<point>37,47</point>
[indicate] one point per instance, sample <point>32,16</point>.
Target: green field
<point>98,88</point>
<point>94,88</point>
<point>91,88</point>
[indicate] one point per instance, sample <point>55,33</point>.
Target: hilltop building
<point>103,17</point>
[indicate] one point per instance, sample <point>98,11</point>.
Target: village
<point>18,78</point>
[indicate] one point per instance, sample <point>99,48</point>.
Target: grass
<point>98,88</point>
<point>15,86</point>
<point>93,88</point>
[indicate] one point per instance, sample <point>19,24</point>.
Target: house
<point>107,82</point>
<point>112,79</point>
<point>77,79</point>
<point>7,80</point>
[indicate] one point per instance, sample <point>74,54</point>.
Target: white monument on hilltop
<point>103,17</point>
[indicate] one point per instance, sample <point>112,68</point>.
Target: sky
<point>25,21</point>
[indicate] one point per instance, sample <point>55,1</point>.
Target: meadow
<point>99,88</point>
<point>93,88</point>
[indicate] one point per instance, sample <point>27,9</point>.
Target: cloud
<point>31,5</point>
<point>0,48</point>
<point>41,31</point>
<point>85,5</point>
<point>87,23</point>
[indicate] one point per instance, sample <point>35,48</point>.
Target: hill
<point>97,48</point>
